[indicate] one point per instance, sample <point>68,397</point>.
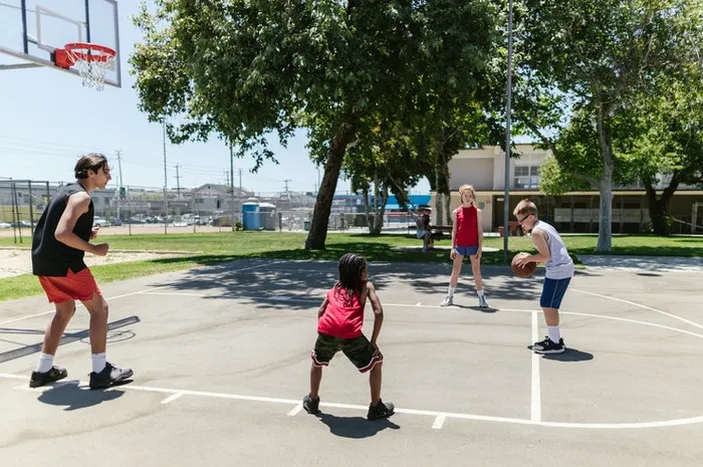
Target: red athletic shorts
<point>74,286</point>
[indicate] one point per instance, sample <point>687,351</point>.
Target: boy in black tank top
<point>60,241</point>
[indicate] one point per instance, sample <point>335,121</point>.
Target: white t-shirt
<point>560,266</point>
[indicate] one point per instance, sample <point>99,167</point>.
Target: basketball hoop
<point>91,61</point>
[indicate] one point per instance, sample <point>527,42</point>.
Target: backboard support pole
<point>25,44</point>
<point>87,21</point>
<point>19,66</point>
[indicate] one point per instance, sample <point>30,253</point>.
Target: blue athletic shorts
<point>467,250</point>
<point>553,291</point>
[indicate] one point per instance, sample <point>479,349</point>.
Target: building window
<point>526,176</point>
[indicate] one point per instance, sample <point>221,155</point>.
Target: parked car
<point>100,222</point>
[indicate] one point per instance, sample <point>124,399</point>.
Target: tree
<point>246,69</point>
<point>669,144</point>
<point>591,59</point>
<point>382,159</point>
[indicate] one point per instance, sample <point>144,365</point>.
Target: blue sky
<point>47,119</point>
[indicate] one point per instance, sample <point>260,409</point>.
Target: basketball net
<point>90,60</point>
<point>93,73</point>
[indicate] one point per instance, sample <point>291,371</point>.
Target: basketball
<point>523,271</point>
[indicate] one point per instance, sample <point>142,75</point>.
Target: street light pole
<point>231,180</point>
<point>509,92</point>
<point>163,126</point>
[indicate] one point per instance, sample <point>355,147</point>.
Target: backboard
<point>31,30</point>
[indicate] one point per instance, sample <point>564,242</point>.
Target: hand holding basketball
<point>522,268</point>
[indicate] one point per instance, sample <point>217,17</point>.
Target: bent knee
<point>99,309</point>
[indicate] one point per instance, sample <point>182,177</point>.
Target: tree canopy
<point>589,62</point>
<point>243,70</point>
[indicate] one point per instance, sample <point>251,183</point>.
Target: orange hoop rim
<point>105,53</point>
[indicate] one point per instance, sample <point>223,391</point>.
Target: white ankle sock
<point>553,333</point>
<point>99,361</point>
<point>46,361</point>
<point>450,291</point>
<point>480,293</point>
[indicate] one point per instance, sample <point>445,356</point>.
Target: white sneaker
<point>448,301</point>
<point>482,303</point>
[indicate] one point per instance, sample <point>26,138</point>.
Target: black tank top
<point>50,257</point>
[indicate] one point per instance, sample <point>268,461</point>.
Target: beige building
<point>484,168</point>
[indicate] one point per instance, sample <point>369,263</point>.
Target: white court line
<point>143,291</point>
<point>25,387</point>
<point>536,405</point>
<point>172,398</point>
<point>178,294</point>
<point>438,307</point>
<point>439,422</point>
<point>295,410</point>
<point>78,305</point>
<point>684,320</point>
<point>427,413</point>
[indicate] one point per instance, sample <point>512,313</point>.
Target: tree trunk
<point>605,227</point>
<point>448,199</point>
<point>438,196</point>
<point>323,204</point>
<point>373,230</point>
<point>659,208</point>
<point>367,209</point>
<point>378,221</point>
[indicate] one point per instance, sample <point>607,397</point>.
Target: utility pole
<point>288,193</point>
<point>231,180</point>
<point>163,126</point>
<point>119,184</point>
<point>178,182</point>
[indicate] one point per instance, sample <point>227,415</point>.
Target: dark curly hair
<point>351,266</point>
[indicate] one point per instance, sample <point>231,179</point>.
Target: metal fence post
<point>31,208</point>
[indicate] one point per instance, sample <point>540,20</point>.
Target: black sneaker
<point>53,375</point>
<point>380,410</point>
<point>547,346</point>
<point>311,405</point>
<point>109,376</point>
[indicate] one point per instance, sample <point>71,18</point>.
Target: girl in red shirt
<point>339,327</point>
<point>467,240</point>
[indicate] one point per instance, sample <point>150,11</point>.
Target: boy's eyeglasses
<point>520,221</point>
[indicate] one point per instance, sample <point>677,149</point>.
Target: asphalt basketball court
<point>221,361</point>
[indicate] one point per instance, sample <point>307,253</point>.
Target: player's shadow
<point>74,397</point>
<point>489,309</point>
<point>355,427</point>
<point>570,355</point>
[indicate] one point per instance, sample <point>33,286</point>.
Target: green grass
<point>212,248</point>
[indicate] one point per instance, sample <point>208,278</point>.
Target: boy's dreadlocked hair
<point>350,267</point>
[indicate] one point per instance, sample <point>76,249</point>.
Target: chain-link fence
<point>132,210</point>
<point>21,204</point>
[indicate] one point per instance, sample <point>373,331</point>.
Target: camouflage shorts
<point>358,350</point>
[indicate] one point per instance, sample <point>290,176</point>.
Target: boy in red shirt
<point>467,240</point>
<point>339,327</point>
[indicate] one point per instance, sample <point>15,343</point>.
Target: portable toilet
<point>267,216</point>
<point>250,215</point>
